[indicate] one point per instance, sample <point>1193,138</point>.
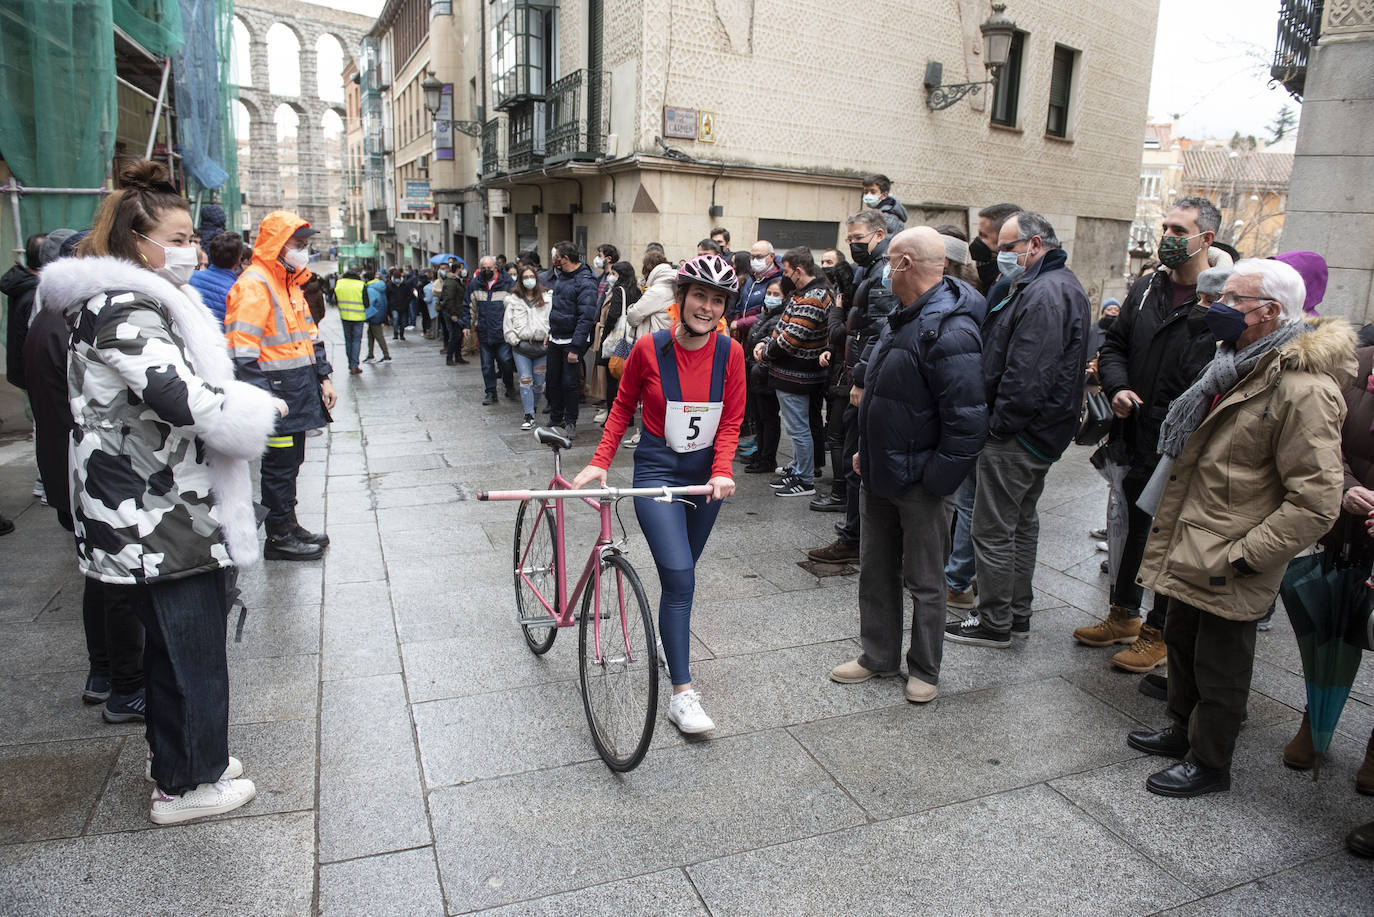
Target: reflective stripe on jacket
<point>349,293</point>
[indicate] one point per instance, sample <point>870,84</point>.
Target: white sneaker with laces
<point>207,799</point>
<point>235,769</point>
<point>684,710</point>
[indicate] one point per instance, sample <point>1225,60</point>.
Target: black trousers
<point>186,677</point>
<point>114,636</point>
<point>768,424</point>
<point>1211,660</point>
<point>851,445</point>
<point>281,464</point>
<point>817,432</point>
<point>562,384</point>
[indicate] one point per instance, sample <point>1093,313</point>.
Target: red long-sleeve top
<point>641,382</point>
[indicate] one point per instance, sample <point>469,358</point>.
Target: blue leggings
<point>676,534</point>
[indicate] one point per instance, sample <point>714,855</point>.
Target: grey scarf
<point>1186,412</point>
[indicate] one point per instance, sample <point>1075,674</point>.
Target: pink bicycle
<point>617,665</point>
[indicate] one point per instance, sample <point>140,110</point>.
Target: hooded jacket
<point>163,433</point>
<point>923,417</point>
<point>868,315</point>
<point>213,284</point>
<point>1260,479</point>
<point>1035,351</point>
<point>18,285</point>
<point>1150,350</point>
<point>574,307</point>
<point>650,313</point>
<point>273,340</point>
<point>894,215</point>
<point>375,292</point>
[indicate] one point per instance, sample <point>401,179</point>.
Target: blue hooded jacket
<point>923,417</point>
<point>213,285</point>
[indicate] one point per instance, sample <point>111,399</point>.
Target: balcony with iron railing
<point>1299,28</point>
<point>575,117</point>
<point>493,139</point>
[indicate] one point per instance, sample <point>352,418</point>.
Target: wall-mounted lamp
<point>717,211</point>
<point>608,207</point>
<point>434,91</point>
<point>997,31</point>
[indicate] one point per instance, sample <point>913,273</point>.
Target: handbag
<point>1096,419</point>
<point>532,349</point>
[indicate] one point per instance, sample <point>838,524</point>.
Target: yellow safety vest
<point>349,293</point>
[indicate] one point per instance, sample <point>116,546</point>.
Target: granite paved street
<point>413,758</point>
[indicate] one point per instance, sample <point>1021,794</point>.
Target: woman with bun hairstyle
<point>161,494</point>
<point>690,381</point>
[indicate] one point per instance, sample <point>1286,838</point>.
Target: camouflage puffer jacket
<point>163,436</point>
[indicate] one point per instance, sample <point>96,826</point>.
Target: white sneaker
<point>634,440</point>
<point>207,799</point>
<point>684,710</point>
<point>39,491</point>
<point>600,416</point>
<point>235,769</point>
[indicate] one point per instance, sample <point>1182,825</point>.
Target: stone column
<point>1330,206</point>
<point>313,205</point>
<point>264,175</point>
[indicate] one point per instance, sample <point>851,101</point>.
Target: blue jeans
<point>353,342</point>
<point>676,534</point>
<point>959,570</point>
<point>796,420</point>
<point>531,371</point>
<point>497,356</point>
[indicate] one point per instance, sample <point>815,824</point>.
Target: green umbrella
<point>1325,597</point>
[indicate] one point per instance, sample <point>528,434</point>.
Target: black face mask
<point>486,275</point>
<point>980,252</point>
<point>1197,321</point>
<point>859,254</point>
<point>788,287</point>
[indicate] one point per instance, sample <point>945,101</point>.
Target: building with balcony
<point>657,120</point>
<point>1325,57</point>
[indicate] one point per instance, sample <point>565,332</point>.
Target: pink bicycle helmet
<point>709,270</point>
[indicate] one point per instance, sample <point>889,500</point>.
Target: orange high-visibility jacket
<point>272,339</point>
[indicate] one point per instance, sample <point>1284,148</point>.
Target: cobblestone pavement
<point>413,758</point>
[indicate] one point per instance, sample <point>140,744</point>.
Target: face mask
<point>1197,321</point>
<point>772,302</point>
<point>612,280</point>
<point>859,254</point>
<point>296,258</point>
<point>1226,323</point>
<point>886,281</point>
<point>553,256</point>
<point>871,200</point>
<point>177,263</point>
<point>528,283</point>
<point>1173,250</point>
<point>979,251</point>
<point>757,265</point>
<point>486,274</point>
<point>1008,266</point>
<point>598,262</point>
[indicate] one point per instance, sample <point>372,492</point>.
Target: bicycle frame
<point>560,489</point>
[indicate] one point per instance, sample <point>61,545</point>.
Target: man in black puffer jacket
<point>922,420</point>
<point>570,330</point>
<point>1035,351</point>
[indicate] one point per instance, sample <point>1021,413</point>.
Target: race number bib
<point>690,426</point>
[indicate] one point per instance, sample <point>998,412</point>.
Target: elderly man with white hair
<point>1250,474</point>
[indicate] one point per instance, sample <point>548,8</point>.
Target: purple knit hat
<point>1312,267</point>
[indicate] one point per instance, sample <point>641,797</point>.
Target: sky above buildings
<point>1211,63</point>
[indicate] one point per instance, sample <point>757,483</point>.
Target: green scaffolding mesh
<point>203,100</point>
<point>154,24</point>
<point>57,80</point>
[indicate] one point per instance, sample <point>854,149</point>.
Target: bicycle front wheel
<point>618,668</point>
<point>536,574</point>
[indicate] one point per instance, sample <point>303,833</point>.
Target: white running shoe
<point>235,769</point>
<point>600,416</point>
<point>207,799</point>
<point>684,710</point>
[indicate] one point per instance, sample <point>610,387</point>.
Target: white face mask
<point>553,256</point>
<point>178,262</point>
<point>612,280</point>
<point>528,283</point>
<point>757,265</point>
<point>871,200</point>
<point>598,262</point>
<point>296,258</point>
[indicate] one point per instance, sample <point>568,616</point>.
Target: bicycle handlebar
<point>660,494</point>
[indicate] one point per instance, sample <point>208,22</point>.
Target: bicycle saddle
<point>551,439</point>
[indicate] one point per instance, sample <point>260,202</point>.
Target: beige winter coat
<point>650,314</point>
<point>1260,479</point>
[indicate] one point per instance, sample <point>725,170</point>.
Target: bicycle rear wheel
<point>618,673</point>
<point>536,567</point>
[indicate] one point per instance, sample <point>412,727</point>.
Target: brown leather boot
<point>1299,753</point>
<point>1120,626</point>
<point>1144,655</point>
<point>1364,780</point>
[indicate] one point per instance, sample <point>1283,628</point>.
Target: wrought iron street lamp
<point>998,31</point>
<point>434,90</point>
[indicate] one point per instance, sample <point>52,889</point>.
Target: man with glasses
<point>1152,352</point>
<point>1035,345</point>
<point>866,233</point>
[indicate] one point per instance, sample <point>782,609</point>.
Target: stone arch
<point>328,67</point>
<point>285,75</point>
<point>241,51</point>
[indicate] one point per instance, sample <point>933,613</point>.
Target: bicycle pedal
<point>542,621</point>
